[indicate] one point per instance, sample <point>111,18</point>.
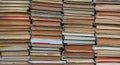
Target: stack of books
<point>76,54</point>
<point>46,37</point>
<point>108,32</point>
<point>78,32</point>
<point>14,32</point>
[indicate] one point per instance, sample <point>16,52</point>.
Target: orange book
<point>108,59</point>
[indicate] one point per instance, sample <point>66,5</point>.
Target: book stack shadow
<point>78,32</point>
<point>14,32</point>
<point>46,35</point>
<point>107,32</point>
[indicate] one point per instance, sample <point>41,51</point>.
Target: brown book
<point>80,22</point>
<point>107,21</point>
<point>101,31</point>
<point>12,27</point>
<point>50,28</point>
<point>14,1</point>
<point>14,14</point>
<point>14,17</point>
<point>14,4</point>
<point>46,23</point>
<point>14,40</point>
<point>47,33</point>
<point>47,1</point>
<point>46,8</point>
<point>14,53</point>
<point>109,27</point>
<point>47,37</point>
<point>14,22</point>
<point>78,17</point>
<point>108,59</point>
<point>45,57</point>
<point>78,48</point>
<point>14,37</point>
<point>108,13</point>
<point>12,10</point>
<point>14,44</point>
<point>46,5</point>
<point>78,53</point>
<point>108,42</point>
<point>78,1</point>
<point>78,6</point>
<point>106,7</point>
<point>77,26</point>
<point>45,19</point>
<point>13,32</point>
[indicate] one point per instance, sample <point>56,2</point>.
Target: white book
<point>78,34</point>
<point>78,42</point>
<point>107,63</point>
<point>108,36</point>
<point>78,38</point>
<point>47,61</point>
<point>106,48</point>
<point>49,41</point>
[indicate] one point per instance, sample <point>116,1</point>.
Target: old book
<point>79,64</point>
<point>46,37</point>
<point>14,22</point>
<point>78,34</point>
<point>107,1</point>
<point>108,59</point>
<point>14,53</point>
<point>3,44</point>
<point>45,57</point>
<point>78,48</point>
<point>14,4</point>
<point>52,41</point>
<point>78,38</point>
<point>107,63</point>
<point>49,28</point>
<point>14,14</point>
<point>105,7</point>
<point>46,4</point>
<point>48,62</point>
<point>109,27</point>
<point>47,1</point>
<point>109,42</point>
<point>44,19</point>
<point>14,36</point>
<point>14,27</point>
<point>47,45</point>
<point>78,42</point>
<point>46,23</point>
<point>78,1</point>
<point>47,33</point>
<point>13,1</point>
<point>14,40</point>
<point>79,30</point>
<point>67,53</point>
